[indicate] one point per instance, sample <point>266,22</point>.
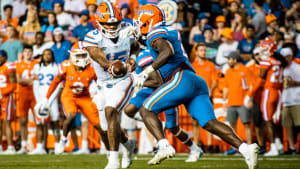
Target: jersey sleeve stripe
<point>88,42</point>
<point>90,37</point>
<point>157,30</point>
<point>155,40</point>
<point>151,36</point>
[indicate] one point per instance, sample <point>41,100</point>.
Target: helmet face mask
<point>79,58</point>
<point>110,30</point>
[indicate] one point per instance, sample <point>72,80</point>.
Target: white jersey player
<point>44,72</point>
<point>104,46</point>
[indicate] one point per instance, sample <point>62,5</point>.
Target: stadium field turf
<point>94,161</point>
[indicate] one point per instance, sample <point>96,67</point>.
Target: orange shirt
<point>255,73</point>
<point>3,24</point>
<point>237,81</point>
<point>76,82</point>
<point>206,70</point>
<point>24,69</point>
<point>218,93</point>
<point>5,86</point>
<point>274,73</point>
<point>133,5</point>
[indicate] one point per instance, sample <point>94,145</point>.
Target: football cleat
<point>162,154</point>
<point>81,151</point>
<point>251,156</point>
<point>112,165</point>
<point>37,152</point>
<point>128,150</point>
<point>22,151</point>
<point>194,155</point>
<point>273,151</point>
<point>9,151</point>
<point>60,148</point>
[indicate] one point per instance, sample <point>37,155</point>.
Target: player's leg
<point>232,116</point>
<point>1,125</point>
<point>196,131</point>
<point>84,136</point>
<point>172,125</point>
<point>7,107</point>
<point>268,107</point>
<point>259,126</point>
<point>245,117</point>
<point>54,122</point>
<point>23,105</point>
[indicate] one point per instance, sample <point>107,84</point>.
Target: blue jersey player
<point>143,60</point>
<point>183,86</point>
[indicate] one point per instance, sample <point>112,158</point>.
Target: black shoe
<point>262,150</point>
<point>290,152</point>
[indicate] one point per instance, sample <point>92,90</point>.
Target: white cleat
<point>82,151</point>
<point>22,151</point>
<point>60,148</point>
<point>251,156</point>
<point>10,151</point>
<point>112,165</point>
<point>38,152</point>
<point>273,151</point>
<point>127,153</point>
<point>162,154</point>
<point>194,155</point>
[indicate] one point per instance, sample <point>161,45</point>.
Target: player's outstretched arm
<point>55,82</point>
<point>165,50</point>
<point>98,56</point>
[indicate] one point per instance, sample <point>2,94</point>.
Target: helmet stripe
<point>111,9</point>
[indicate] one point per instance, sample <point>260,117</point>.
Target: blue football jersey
<point>144,59</point>
<point>172,35</point>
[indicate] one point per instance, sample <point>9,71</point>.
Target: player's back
<point>76,82</point>
<point>274,73</point>
<point>5,70</point>
<point>172,35</point>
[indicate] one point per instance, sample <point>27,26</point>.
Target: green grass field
<point>98,161</point>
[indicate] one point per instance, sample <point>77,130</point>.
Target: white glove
<point>45,104</point>
<point>128,31</point>
<point>141,78</point>
<point>247,102</point>
<point>276,117</point>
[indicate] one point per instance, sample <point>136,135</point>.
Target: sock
<point>64,139</point>
<point>293,147</point>
<point>194,147</point>
<point>113,156</point>
<point>39,146</point>
<point>23,144</point>
<point>84,145</point>
<point>243,148</point>
<point>277,141</point>
<point>56,144</point>
<point>163,143</point>
<point>1,148</point>
<point>10,147</point>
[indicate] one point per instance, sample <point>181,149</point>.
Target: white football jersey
<point>46,75</point>
<point>113,51</point>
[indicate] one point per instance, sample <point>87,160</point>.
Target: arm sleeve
<point>265,64</point>
<point>55,82</point>
<point>154,35</point>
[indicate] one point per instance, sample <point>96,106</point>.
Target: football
<point>118,69</point>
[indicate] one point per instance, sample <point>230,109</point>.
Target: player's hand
<point>128,31</point>
<point>139,82</point>
<point>276,117</point>
<point>132,64</point>
<point>248,103</point>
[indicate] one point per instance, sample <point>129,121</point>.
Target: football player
<point>104,46</point>
<point>77,75</point>
<point>24,88</point>
<point>182,86</point>
<point>143,60</point>
<point>45,71</point>
<point>7,86</point>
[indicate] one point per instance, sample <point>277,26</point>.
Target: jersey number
<point>45,79</point>
<point>276,76</point>
<point>77,87</point>
<point>117,56</point>
<point>3,81</point>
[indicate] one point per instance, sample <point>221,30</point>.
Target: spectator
<point>49,27</point>
<point>235,93</point>
<point>125,11</point>
<point>272,26</point>
<point>74,7</point>
<point>196,35</point>
<point>63,19</point>
<point>258,20</point>
<point>27,32</point>
<point>2,4</point>
<point>21,6</point>
<point>8,9</point>
<point>45,8</point>
<point>133,6</point>
<point>40,46</point>
<point>253,99</point>
<point>81,30</point>
<point>220,24</point>
<point>30,6</point>
<point>247,45</point>
<point>290,98</point>
<point>12,46</point>
<point>238,25</point>
<point>92,8</point>
<point>294,11</point>
<point>207,71</point>
<point>228,45</point>
<point>211,44</point>
<point>61,47</point>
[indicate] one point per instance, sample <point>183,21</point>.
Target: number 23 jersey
<point>76,82</point>
<point>114,51</point>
